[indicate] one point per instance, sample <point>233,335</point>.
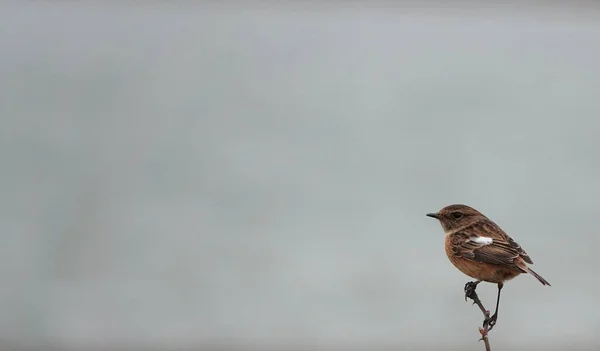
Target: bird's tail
<point>537,276</point>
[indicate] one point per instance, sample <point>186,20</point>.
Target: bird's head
<point>456,216</point>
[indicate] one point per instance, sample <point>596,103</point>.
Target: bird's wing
<point>486,242</point>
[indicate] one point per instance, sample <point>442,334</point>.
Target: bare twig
<point>484,337</point>
<point>472,294</point>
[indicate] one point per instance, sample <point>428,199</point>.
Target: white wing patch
<point>483,240</point>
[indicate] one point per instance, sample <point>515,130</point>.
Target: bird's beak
<point>434,215</point>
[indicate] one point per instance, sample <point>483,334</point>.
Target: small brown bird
<point>480,249</point>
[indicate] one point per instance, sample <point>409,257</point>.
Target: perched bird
<point>480,249</point>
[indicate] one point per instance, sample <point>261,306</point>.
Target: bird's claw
<point>470,290</point>
<point>490,322</point>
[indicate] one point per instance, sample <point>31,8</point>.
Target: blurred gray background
<point>256,176</point>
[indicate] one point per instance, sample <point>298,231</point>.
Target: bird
<point>479,248</point>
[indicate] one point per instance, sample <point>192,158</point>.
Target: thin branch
<point>472,294</point>
<point>484,337</point>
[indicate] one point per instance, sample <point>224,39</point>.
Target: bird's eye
<point>457,215</point>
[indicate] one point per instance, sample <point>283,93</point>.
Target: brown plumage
<point>480,249</point>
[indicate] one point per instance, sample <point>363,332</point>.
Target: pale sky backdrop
<point>253,176</point>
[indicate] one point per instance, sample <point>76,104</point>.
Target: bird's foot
<point>490,322</point>
<point>470,290</point>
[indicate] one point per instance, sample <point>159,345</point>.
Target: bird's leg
<point>491,321</point>
<point>470,290</point>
